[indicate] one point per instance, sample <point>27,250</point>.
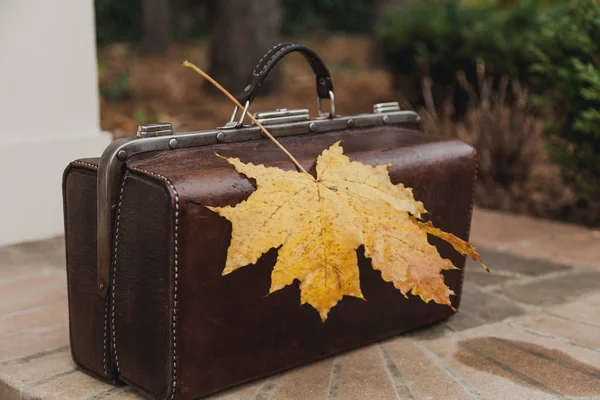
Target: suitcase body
<point>159,315</point>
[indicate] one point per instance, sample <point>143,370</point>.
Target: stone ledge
<point>536,239</point>
<point>522,332</point>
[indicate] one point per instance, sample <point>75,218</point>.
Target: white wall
<point>49,112</point>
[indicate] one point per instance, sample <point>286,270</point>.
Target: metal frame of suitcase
<point>147,303</point>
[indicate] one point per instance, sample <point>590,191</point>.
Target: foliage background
<point>518,79</point>
<point>120,20</point>
<point>551,48</point>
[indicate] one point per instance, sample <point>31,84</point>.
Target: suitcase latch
<point>282,115</point>
<point>150,130</point>
<point>386,107</point>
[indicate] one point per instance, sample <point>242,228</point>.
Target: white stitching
<point>114,280</point>
<point>263,57</point>
<point>176,274</point>
<point>105,338</point>
<point>274,55</point>
<point>86,164</point>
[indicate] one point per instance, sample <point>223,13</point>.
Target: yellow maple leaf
<point>320,222</point>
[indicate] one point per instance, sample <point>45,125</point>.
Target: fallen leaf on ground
<point>320,222</point>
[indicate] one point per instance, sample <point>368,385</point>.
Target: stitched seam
<point>86,164</point>
<point>273,57</point>
<point>105,336</point>
<point>176,273</point>
<point>104,343</point>
<point>265,55</point>
<point>114,280</point>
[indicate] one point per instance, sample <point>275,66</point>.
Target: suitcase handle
<point>272,57</point>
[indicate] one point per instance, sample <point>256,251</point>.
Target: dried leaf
<point>320,222</point>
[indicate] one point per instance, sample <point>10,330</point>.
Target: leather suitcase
<point>148,305</point>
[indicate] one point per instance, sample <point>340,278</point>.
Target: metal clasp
<point>282,115</point>
<point>232,124</point>
<point>386,107</point>
<point>331,105</point>
<point>149,130</point>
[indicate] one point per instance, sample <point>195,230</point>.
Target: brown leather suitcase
<point>148,305</point>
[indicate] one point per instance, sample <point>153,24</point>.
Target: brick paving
<point>529,330</point>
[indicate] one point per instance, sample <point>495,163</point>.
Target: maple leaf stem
<point>237,103</point>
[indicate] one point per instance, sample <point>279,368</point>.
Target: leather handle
<point>273,56</point>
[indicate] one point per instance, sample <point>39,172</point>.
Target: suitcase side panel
<point>88,312</point>
<point>229,330</point>
<point>142,285</point>
<point>448,195</point>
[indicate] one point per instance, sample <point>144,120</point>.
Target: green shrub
<point>440,38</point>
<point>567,80</point>
<point>553,49</point>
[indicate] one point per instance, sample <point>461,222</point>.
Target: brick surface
<point>498,230</point>
<point>21,373</point>
<point>358,382</point>
<point>529,330</point>
<point>547,364</point>
<point>19,346</point>
<point>74,385</point>
<point>37,317</point>
<point>479,308</point>
<point>579,249</point>
<point>479,277</point>
<point>32,291</point>
<point>124,394</point>
<point>43,254</point>
<point>555,290</point>
<point>14,264</point>
<point>41,248</point>
<point>534,367</point>
<point>481,377</point>
<point>515,332</point>
<point>423,377</point>
<point>244,392</point>
<point>585,311</point>
<point>584,334</point>
<point>511,265</point>
<point>310,382</point>
<point>32,282</point>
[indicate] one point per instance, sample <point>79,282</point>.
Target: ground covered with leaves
<point>515,172</point>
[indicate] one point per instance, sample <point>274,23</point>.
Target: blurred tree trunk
<point>241,32</point>
<point>382,7</point>
<point>156,16</point>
